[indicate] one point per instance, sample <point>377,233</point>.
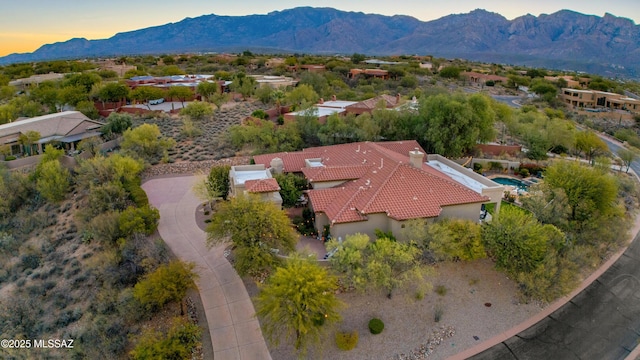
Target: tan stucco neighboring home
<point>479,78</point>
<point>275,82</point>
<point>68,128</point>
<point>35,80</point>
<point>367,106</point>
<point>254,179</point>
<point>594,99</point>
<point>572,81</point>
<point>361,187</point>
<point>375,73</point>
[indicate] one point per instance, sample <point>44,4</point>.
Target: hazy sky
<point>25,25</point>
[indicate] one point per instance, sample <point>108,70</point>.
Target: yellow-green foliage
<point>177,343</point>
<point>167,283</point>
<point>456,239</point>
<point>143,220</point>
<point>347,340</point>
<point>298,303</point>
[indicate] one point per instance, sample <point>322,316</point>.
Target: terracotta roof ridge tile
<point>347,203</point>
<point>380,187</point>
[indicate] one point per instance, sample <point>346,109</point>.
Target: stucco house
<point>67,127</point>
<point>594,99</point>
<point>254,179</point>
<point>361,187</point>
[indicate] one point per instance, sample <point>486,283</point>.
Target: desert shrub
<point>441,290</point>
<point>477,167</point>
<point>30,261</point>
<point>143,220</point>
<point>346,340</point>
<point>104,227</point>
<point>8,243</point>
<point>437,313</point>
<point>177,343</point>
<point>136,194</point>
<point>524,172</point>
<point>495,165</point>
<point>167,283</point>
<point>376,326</point>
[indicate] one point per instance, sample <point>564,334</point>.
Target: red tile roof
<point>262,185</point>
<point>379,179</point>
<point>333,173</point>
<point>370,104</point>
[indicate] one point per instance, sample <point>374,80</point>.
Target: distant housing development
<point>364,186</point>
<point>593,99</point>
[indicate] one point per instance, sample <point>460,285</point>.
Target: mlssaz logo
<point>54,344</point>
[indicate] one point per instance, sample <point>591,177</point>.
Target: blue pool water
<point>511,182</point>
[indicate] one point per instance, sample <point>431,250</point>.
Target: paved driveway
<point>235,333</point>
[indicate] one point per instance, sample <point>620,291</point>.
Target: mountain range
<point>567,40</point>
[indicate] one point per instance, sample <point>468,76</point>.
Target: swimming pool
<point>511,182</point>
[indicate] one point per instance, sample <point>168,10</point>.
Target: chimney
<point>277,166</point>
<point>397,99</point>
<point>321,101</point>
<point>416,158</point>
<point>333,98</point>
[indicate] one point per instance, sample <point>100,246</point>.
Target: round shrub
<point>346,340</point>
<point>376,326</point>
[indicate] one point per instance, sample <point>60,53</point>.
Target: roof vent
<point>415,198</point>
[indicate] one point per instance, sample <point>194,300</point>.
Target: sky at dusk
<point>25,25</point>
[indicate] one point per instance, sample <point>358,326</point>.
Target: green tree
<point>263,93</point>
<point>167,283</point>
<point>113,92</point>
<point>146,93</point>
<point>298,302</point>
<point>381,264</point>
<point>452,124</point>
<point>197,110</point>
<point>357,58</point>
<point>302,96</point>
<point>28,140</point>
<point>291,187</point>
<point>450,72</point>
<point>90,145</point>
<point>206,89</point>
<point>178,343</point>
<point>627,156</point>
<point>217,182</point>
<point>85,80</point>
<point>257,228</point>
<point>589,191</point>
<point>116,124</point>
<point>590,144</point>
<point>146,143</point>
<point>181,93</point>
<point>53,181</point>
<point>544,89</point>
<point>517,241</point>
<point>243,84</point>
<point>456,239</point>
<point>87,108</point>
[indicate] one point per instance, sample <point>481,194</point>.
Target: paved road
<point>235,332</point>
<point>512,101</point>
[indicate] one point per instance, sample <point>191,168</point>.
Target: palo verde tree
<point>146,93</point>
<point>298,302</point>
<point>181,93</point>
<point>382,264</point>
<point>258,229</point>
<point>145,142</point>
<point>197,110</point>
<point>456,239</point>
<point>589,191</point>
<point>217,183</point>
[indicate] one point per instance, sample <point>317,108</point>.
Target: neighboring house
<point>481,79</point>
<point>67,128</point>
<point>191,81</point>
<point>361,187</point>
<point>376,73</point>
<point>254,179</point>
<point>571,81</point>
<point>593,99</point>
<point>324,109</point>
<point>275,82</point>
<point>35,80</point>
<point>110,65</point>
<point>367,106</point>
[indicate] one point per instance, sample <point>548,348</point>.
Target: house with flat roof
<point>254,179</point>
<point>67,127</point>
<point>594,99</point>
<point>364,186</point>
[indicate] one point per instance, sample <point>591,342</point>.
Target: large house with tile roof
<point>254,179</point>
<point>361,187</point>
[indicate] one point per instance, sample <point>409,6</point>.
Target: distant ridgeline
<point>565,40</point>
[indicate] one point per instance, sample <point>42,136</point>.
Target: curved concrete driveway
<point>235,332</point>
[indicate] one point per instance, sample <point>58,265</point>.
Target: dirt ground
<point>477,303</point>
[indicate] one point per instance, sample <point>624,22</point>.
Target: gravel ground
<point>410,328</point>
